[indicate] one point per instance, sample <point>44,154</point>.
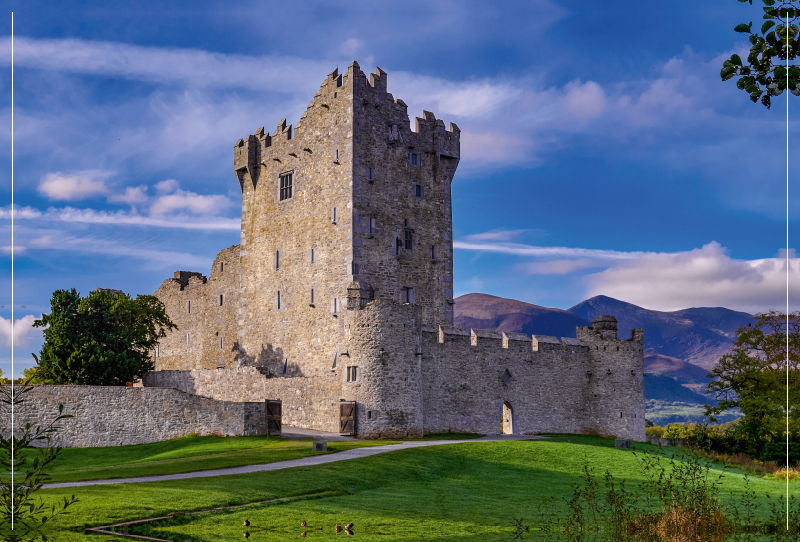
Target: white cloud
<point>191,202</point>
<point>17,249</point>
<point>351,47</point>
<point>92,216</point>
<point>75,186</point>
<point>703,277</point>
<point>584,101</point>
<point>132,194</point>
<point>23,329</point>
<point>167,187</point>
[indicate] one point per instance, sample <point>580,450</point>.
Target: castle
<point>338,301</point>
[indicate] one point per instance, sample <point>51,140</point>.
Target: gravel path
<point>302,462</point>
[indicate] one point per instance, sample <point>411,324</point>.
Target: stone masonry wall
<point>389,206</point>
<point>210,324</point>
<point>115,416</point>
<point>300,244</point>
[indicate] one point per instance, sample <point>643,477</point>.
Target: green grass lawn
<point>185,454</point>
<point>466,491</point>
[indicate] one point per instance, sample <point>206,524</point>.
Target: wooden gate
<point>273,415</point>
<point>347,418</point>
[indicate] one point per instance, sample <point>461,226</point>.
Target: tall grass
<point>676,501</point>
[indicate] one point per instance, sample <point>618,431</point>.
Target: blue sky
<point>600,151</point>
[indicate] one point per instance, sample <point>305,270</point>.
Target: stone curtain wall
<point>115,416</point>
<point>592,385</point>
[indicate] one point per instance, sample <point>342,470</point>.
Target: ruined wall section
<point>387,202</point>
<point>210,323</point>
<point>302,243</point>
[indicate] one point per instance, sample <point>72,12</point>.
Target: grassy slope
<point>185,454</point>
<point>457,490</point>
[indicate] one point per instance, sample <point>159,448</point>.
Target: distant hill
<point>699,335</point>
<point>483,311</point>
<point>681,347</point>
<point>680,370</point>
<point>665,388</point>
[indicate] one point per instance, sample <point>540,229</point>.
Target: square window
<point>286,186</point>
<point>407,294</point>
<point>353,374</point>
<point>418,191</point>
<point>414,159</point>
<point>408,239</point>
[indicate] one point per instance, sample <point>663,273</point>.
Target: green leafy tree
<point>753,377</point>
<point>765,74</point>
<point>105,338</point>
<point>27,452</point>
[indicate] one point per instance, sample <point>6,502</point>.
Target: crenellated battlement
<point>589,339</point>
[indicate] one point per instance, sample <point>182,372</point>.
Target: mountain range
<point>681,347</point>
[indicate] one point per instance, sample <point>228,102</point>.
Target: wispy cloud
<point>519,249</point>
<point>185,67</point>
<point>158,259</point>
<point>560,267</point>
<point>122,218</point>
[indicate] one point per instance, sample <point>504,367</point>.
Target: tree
<point>778,39</point>
<point>18,503</point>
<point>105,338</point>
<point>753,376</point>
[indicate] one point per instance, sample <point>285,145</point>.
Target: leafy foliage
<point>762,77</point>
<point>753,377</point>
<point>105,338</point>
<point>18,503</point>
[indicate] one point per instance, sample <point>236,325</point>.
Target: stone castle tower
<point>341,292</point>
